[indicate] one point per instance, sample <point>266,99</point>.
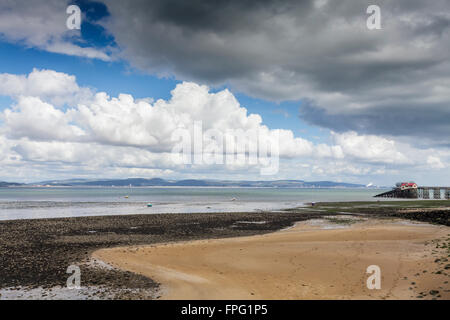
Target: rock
<point>434,292</point>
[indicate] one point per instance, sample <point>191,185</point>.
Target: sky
<point>333,98</point>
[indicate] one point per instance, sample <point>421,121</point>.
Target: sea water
<point>55,202</point>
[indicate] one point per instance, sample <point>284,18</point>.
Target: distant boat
<point>126,197</point>
<point>149,205</point>
<point>233,199</point>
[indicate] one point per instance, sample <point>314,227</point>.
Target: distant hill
<point>4,184</point>
<point>158,182</point>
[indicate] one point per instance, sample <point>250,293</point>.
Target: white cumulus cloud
<point>55,87</point>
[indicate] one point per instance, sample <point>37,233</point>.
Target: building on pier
<point>410,190</point>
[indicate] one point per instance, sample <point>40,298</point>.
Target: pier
<point>417,193</point>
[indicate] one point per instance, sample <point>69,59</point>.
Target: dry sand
<point>312,260</point>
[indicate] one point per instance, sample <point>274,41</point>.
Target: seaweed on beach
<point>430,211</point>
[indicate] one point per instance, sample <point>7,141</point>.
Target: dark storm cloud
<point>218,15</point>
<point>315,50</point>
<point>428,122</point>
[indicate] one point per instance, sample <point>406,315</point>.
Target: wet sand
<point>312,260</point>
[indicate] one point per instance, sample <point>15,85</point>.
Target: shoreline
<point>36,252</point>
<point>140,206</point>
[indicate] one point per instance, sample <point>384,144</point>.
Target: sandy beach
<point>315,259</point>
